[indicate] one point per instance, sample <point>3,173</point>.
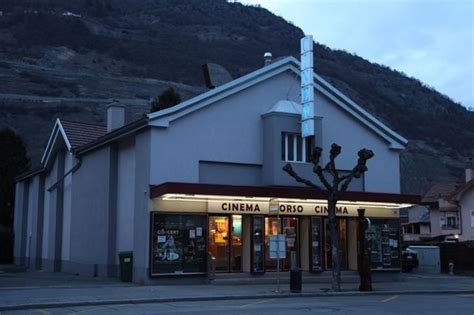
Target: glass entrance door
<point>219,242</point>
<point>236,250</point>
<point>271,228</point>
<point>289,228</point>
<point>258,240</point>
<point>225,242</point>
<point>342,230</point>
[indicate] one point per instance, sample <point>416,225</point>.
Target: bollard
<point>451,268</point>
<point>211,267</point>
<point>295,275</point>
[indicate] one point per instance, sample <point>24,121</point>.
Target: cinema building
<point>198,178</point>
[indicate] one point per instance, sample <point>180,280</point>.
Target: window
<point>416,228</point>
<point>472,218</point>
<point>178,244</point>
<point>383,239</point>
<point>408,229</point>
<point>294,148</point>
<point>451,221</point>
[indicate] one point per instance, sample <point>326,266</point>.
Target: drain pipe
<point>71,171</point>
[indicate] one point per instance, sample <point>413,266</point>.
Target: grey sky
<point>431,40</point>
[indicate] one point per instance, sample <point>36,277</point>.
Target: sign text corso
<point>284,208</point>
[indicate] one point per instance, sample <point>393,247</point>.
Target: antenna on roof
<point>268,58</point>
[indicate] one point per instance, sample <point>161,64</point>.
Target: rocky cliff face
<point>67,59</point>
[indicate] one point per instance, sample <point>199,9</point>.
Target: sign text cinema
<point>284,208</point>
<point>240,207</point>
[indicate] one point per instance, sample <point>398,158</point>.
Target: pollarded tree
<point>333,189</point>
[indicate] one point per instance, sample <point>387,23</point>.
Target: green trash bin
<point>126,266</point>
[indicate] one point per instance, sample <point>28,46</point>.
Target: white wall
<point>467,206</point>
<point>125,195</point>
<point>231,130</point>
<point>50,179</point>
<point>342,128</point>
<point>32,186</point>
<point>69,162</point>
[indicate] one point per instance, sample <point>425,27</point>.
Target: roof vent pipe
<point>115,115</point>
<point>268,58</point>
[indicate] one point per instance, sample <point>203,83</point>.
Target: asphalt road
<point>354,305</point>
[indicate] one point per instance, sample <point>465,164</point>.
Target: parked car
<point>409,259</point>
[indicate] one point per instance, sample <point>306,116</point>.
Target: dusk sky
<point>431,40</point>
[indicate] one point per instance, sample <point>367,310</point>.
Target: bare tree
<point>333,189</point>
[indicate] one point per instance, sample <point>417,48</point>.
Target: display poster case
<point>178,244</point>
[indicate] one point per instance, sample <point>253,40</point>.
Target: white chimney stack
<point>469,174</point>
<point>268,58</point>
<point>115,115</point>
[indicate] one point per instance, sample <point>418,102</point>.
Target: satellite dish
<point>215,75</point>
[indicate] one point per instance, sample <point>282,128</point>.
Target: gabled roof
<point>457,194</point>
<point>440,190</point>
<point>164,117</point>
<point>74,135</point>
<point>80,133</point>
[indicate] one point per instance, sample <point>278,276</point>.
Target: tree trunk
<point>336,266</point>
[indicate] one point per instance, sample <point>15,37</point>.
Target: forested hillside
<point>68,58</point>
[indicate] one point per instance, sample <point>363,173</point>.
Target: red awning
<point>275,192</point>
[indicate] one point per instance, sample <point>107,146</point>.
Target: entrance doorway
<point>342,231</point>
<point>225,242</point>
<point>289,226</point>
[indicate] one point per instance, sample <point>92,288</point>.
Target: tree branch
<point>333,154</point>
<point>346,182</point>
<point>319,171</point>
<point>316,156</point>
<point>289,169</point>
<point>358,170</point>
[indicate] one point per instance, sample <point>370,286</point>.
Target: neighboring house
<point>448,208</point>
<point>444,215</point>
<point>463,198</point>
<point>417,226</point>
<point>198,178</point>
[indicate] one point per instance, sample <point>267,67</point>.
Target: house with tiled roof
<point>417,226</point>
<point>446,212</point>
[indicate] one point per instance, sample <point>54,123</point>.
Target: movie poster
<point>178,243</point>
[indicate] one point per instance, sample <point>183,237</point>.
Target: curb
<point>31,306</point>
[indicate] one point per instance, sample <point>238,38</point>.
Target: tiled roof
<point>79,133</point>
<point>456,195</point>
<point>440,190</point>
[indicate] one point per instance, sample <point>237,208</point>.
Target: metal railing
<point>450,226</point>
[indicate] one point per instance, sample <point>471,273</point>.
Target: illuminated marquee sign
<point>316,209</point>
<point>307,87</point>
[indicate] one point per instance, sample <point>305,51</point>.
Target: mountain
<point>69,58</point>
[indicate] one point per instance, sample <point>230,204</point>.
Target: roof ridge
<point>82,123</point>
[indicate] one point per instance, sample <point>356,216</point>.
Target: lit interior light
<point>207,198</point>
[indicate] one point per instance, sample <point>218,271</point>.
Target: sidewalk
<point>45,290</point>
